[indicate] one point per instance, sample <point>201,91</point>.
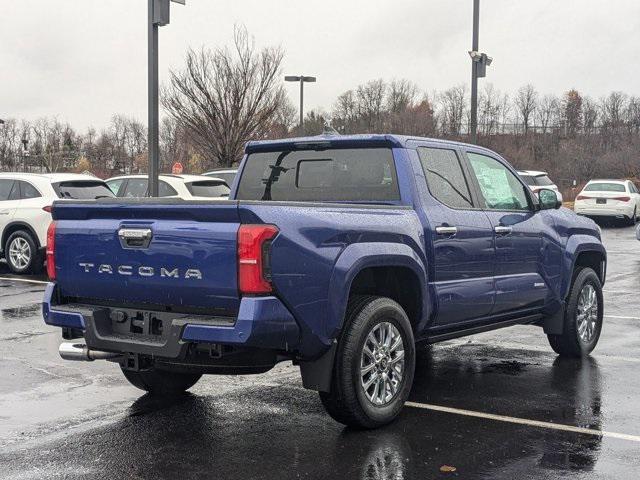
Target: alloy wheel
<point>19,253</point>
<point>587,313</point>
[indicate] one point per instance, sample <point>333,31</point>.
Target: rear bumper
<point>262,322</point>
<point>604,211</point>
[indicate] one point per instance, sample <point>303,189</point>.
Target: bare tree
<point>370,99</point>
<point>453,103</point>
<point>526,103</point>
<point>546,114</point>
<point>401,95</point>
<point>572,112</point>
<point>223,98</point>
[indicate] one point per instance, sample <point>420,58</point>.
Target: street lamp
<point>479,64</point>
<point>159,16</point>
<point>302,79</point>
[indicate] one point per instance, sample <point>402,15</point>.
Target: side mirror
<point>548,199</point>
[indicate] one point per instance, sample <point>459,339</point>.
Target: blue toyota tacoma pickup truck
<point>338,253</point>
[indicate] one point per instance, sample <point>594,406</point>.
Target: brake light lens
<point>47,208</point>
<point>254,266</point>
<point>622,199</point>
<point>51,250</point>
<point>583,197</point>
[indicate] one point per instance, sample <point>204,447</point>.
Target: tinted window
<point>500,188</point>
<point>359,175</point>
<point>166,190</point>
<point>605,187</point>
<point>5,189</point>
<point>444,175</point>
<point>114,185</point>
<point>529,180</point>
<point>82,190</point>
<point>28,191</point>
<point>136,187</point>
<point>208,189</point>
<point>227,177</point>
<point>543,181</point>
<point>15,191</point>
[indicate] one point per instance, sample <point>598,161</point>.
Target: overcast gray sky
<point>84,60</point>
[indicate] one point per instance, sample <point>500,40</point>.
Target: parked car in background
<point>609,198</point>
<point>25,212</point>
<point>178,186</point>
<point>538,180</point>
<point>227,174</point>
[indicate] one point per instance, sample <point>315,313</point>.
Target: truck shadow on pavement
<point>281,430</point>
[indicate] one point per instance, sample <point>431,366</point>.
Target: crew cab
<point>339,253</point>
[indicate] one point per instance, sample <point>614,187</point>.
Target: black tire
<point>161,382</point>
<point>634,218</point>
<point>35,261</point>
<point>348,402</point>
<point>571,343</point>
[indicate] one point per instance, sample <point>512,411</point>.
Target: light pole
<point>302,80</point>
<point>159,16</point>
<point>479,64</point>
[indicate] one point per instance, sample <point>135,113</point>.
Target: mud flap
<point>554,323</point>
<point>317,374</point>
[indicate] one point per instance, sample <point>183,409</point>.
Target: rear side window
<point>605,187</point>
<point>543,181</point>
<point>348,175</point>
<point>166,190</point>
<point>5,189</point>
<point>114,185</point>
<point>136,187</point>
<point>82,190</point>
<point>445,178</point>
<point>28,191</point>
<point>209,189</point>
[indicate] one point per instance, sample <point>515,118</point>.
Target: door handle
<point>500,230</point>
<point>446,230</point>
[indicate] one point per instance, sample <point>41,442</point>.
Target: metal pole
<point>474,73</point>
<point>154,120</point>
<point>301,105</point>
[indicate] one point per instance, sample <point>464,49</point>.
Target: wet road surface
<point>76,420</point>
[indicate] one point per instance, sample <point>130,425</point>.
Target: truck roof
<point>361,140</point>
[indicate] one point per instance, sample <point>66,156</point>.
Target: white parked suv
<point>179,186</point>
<point>609,198</point>
<point>539,180</point>
<point>25,206</point>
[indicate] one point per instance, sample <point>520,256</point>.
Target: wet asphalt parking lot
<point>495,405</point>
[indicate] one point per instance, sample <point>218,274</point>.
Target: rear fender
<point>358,256</point>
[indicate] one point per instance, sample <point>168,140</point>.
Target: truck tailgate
<point>162,253</point>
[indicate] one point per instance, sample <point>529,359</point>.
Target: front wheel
<point>161,382</point>
<point>374,366</point>
<point>583,317</point>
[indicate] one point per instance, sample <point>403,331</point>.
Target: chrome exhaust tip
<point>80,353</point>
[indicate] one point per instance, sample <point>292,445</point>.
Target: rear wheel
<point>583,317</point>
<point>374,366</point>
<point>22,254</point>
<point>161,382</point>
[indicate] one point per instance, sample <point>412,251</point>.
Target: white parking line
<point>525,421</point>
<point>23,280</point>
<point>622,317</point>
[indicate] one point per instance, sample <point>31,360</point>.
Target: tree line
<point>224,97</point>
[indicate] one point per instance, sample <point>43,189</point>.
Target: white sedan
<point>177,186</point>
<point>609,198</point>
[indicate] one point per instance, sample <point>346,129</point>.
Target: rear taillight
<point>583,197</point>
<point>622,199</point>
<point>51,250</point>
<point>47,208</point>
<point>254,266</point>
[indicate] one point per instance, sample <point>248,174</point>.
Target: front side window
<point>5,189</point>
<point>500,188</point>
<point>332,174</point>
<point>445,178</point>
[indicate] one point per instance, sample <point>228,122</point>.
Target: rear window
<point>82,190</point>
<point>356,175</point>
<point>605,187</point>
<point>208,189</point>
<point>529,180</point>
<point>227,177</point>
